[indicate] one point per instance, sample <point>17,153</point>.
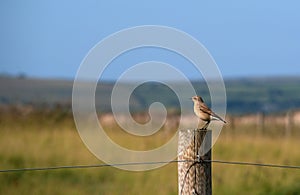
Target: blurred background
<point>254,43</point>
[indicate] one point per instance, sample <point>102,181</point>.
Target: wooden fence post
<point>288,123</point>
<point>260,122</point>
<point>194,169</point>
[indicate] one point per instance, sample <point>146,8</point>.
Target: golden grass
<point>36,142</point>
<point>234,179</point>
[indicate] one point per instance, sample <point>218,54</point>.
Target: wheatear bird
<point>203,112</point>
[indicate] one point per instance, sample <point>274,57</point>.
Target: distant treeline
<point>244,96</point>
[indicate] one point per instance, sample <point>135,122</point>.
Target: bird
<point>203,112</point>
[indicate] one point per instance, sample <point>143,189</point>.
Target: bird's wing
<point>207,110</point>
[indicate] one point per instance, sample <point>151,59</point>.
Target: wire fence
<point>149,163</point>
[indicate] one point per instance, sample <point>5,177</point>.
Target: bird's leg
<point>206,125</point>
<point>199,125</point>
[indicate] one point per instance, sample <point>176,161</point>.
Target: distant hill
<point>250,95</point>
<point>263,94</point>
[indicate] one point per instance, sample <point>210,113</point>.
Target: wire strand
<point>147,163</point>
<point>254,164</point>
<point>88,166</point>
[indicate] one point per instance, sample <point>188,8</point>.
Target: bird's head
<point>197,98</point>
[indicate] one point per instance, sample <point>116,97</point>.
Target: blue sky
<point>246,38</point>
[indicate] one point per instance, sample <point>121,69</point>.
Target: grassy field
<point>51,139</point>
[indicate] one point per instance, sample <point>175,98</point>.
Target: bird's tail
<point>216,117</point>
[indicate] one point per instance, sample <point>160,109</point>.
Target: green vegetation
<point>43,139</point>
<point>243,95</point>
